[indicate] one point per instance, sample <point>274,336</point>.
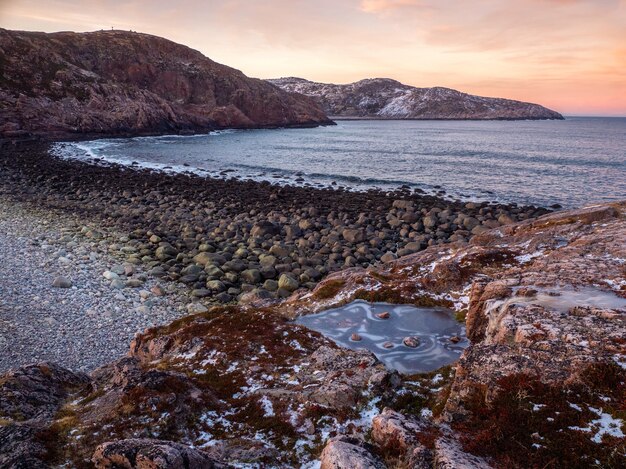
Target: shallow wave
<point>573,162</point>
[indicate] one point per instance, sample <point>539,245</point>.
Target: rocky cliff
<point>383,98</point>
<point>124,83</point>
<point>543,383</point>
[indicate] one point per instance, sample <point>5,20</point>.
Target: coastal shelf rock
<point>383,98</point>
<point>120,83</point>
<point>543,380</point>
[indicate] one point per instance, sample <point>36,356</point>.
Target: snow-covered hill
<point>389,99</point>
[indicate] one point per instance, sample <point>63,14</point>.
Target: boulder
<point>150,454</point>
<point>343,452</point>
<point>61,282</point>
<point>165,252</point>
<point>252,276</point>
<point>353,236</point>
<point>288,283</point>
<point>265,228</point>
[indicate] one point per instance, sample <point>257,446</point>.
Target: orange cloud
<point>568,54</point>
<point>372,6</point>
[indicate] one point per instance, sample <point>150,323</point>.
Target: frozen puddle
<point>433,327</point>
<point>562,299</point>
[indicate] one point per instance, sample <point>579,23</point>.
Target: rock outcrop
<point>150,454</point>
<point>123,83</point>
<point>383,98</point>
<point>543,383</point>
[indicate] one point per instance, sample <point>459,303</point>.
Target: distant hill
<point>124,83</point>
<point>384,98</point>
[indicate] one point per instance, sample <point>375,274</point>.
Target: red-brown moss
<point>528,423</point>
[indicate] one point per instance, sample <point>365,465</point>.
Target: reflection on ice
<point>433,327</point>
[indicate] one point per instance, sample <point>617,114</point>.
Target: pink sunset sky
<point>569,55</point>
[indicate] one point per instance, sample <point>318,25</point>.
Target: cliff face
<point>390,99</point>
<point>119,83</point>
<point>543,383</point>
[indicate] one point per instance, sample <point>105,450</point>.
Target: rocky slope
<point>384,98</point>
<point>543,383</point>
<point>124,83</point>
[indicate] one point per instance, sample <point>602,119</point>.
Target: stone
<point>343,452</point>
<point>134,283</point>
<point>279,251</point>
<point>430,221</point>
<point>403,204</point>
<point>205,258</point>
<point>393,428</point>
<point>470,222</point>
<point>216,285</point>
<point>118,284</point>
<point>288,283</point>
<point>268,261</point>
<point>165,252</point>
<point>355,337</point>
<point>61,282</point>
<point>109,275</point>
<point>223,297</point>
<point>196,308</point>
<point>265,228</point>
<point>410,217</point>
<point>412,342</point>
<point>200,292</point>
<point>388,257</point>
<point>150,454</point>
<point>383,315</point>
<point>214,272</point>
<point>353,236</point>
<point>252,276</point>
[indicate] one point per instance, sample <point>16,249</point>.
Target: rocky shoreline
<point>543,383</point>
<point>241,240</point>
<point>59,302</point>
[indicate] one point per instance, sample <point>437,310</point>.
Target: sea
<point>574,162</point>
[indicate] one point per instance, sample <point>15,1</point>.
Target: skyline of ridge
<point>567,55</point>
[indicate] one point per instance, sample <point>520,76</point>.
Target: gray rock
<point>288,283</point>
<point>265,228</point>
<point>430,221</point>
<point>353,236</point>
<point>110,275</point>
<point>196,308</point>
<point>165,252</point>
<point>61,282</point>
<point>224,297</point>
<point>214,272</point>
<point>150,454</point>
<point>134,283</point>
<point>205,258</point>
<point>215,285</point>
<point>343,452</point>
<point>279,251</point>
<point>201,292</point>
<point>402,204</point>
<point>118,284</point>
<point>268,261</point>
<point>252,276</point>
<point>470,222</point>
<point>388,257</point>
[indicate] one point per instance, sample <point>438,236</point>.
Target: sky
<point>569,55</point>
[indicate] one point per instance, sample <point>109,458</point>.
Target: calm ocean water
<point>571,162</point>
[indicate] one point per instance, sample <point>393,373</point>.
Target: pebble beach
<point>93,254</point>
